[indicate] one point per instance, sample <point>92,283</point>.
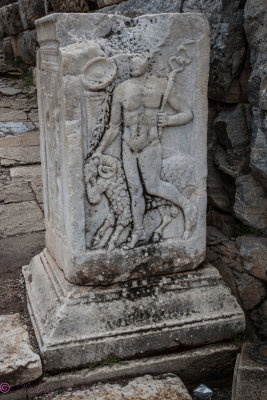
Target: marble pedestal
<point>77,325</point>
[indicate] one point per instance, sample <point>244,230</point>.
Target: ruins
<point>123,119</point>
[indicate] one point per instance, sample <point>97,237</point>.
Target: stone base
<point>250,377</point>
<point>79,325</point>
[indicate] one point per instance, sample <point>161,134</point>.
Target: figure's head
<point>138,65</point>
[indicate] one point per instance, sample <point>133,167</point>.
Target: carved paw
<point>137,236</point>
<point>190,212</point>
<point>156,237</point>
<point>111,246</point>
<point>96,240</point>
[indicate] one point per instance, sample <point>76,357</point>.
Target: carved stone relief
<point>123,125</point>
<point>139,180</point>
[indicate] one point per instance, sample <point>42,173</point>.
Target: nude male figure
<point>135,106</point>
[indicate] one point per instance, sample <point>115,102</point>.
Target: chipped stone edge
<point>177,363</point>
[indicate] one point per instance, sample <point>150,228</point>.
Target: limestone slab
<point>168,387</point>
<point>125,169</point>
<point>17,218</point>
<point>77,325</point>
<point>15,193</point>
<point>10,156</point>
<point>18,362</point>
<point>27,173</point>
<point>23,139</point>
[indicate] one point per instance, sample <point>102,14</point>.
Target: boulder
<point>7,48</point>
<point>10,20</point>
<point>72,6</point>
<point>232,129</point>
<point>253,252</point>
<point>28,45</point>
<point>134,8</point>
<point>228,52</point>
<point>251,202</point>
<point>251,291</point>
<point>30,11</point>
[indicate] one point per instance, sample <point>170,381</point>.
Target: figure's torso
<point>141,100</point>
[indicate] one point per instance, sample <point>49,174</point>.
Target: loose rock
<point>18,363</point>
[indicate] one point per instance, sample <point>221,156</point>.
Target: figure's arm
<point>115,122</point>
<point>183,115</point>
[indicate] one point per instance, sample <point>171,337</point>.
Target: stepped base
<point>79,325</point>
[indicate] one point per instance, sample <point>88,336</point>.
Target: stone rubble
<point>167,387</point>
<point>19,364</point>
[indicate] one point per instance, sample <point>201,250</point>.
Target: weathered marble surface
<point>76,325</point>
<point>19,364</point>
<point>123,109</point>
<point>168,387</point>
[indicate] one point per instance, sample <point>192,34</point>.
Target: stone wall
<point>237,182</point>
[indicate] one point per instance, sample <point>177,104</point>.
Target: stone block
<point>27,174</point>
<point>19,363</point>
<point>10,19</point>
<point>30,11</point>
<point>7,115</point>
<point>19,218</point>
<point>23,139</point>
<point>127,320</point>
<point>15,128</point>
<point>191,366</point>
<point>125,183</point>
<point>143,388</point>
<point>10,156</point>
<point>15,193</point>
<point>250,379</point>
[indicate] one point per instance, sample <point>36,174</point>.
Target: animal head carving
<point>99,172</point>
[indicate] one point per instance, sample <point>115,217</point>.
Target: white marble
<point>123,118</point>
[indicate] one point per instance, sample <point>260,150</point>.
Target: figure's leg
<point>167,214</point>
<point>136,193</point>
<point>109,222</point>
<point>114,238</point>
<point>150,166</point>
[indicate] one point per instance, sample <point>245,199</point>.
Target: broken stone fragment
<point>19,364</point>
<point>167,387</point>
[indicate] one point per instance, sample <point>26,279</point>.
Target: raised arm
<point>183,115</point>
<point>115,123</point>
